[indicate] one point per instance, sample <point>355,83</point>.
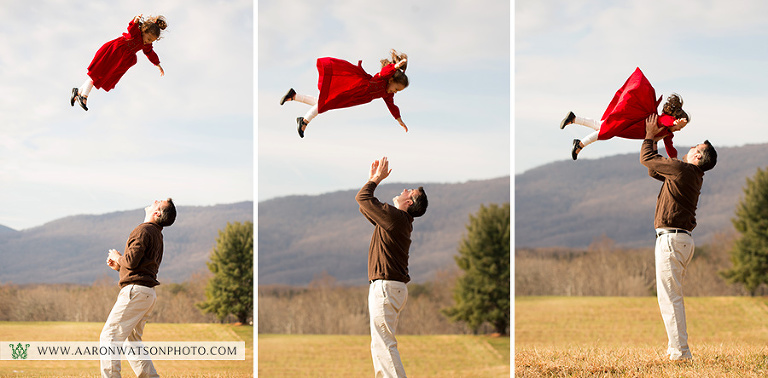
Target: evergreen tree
<point>230,290</point>
<point>750,251</point>
<point>482,293</point>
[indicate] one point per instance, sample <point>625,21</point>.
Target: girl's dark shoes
<point>576,148</point>
<point>73,97</point>
<point>81,100</point>
<point>301,124</point>
<point>288,96</point>
<point>567,121</point>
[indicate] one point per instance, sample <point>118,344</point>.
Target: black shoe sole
<point>300,122</point>
<point>574,154</point>
<point>567,120</point>
<point>81,101</point>
<point>288,95</point>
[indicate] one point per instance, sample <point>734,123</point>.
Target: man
<point>674,220</point>
<point>138,268</point>
<point>388,264</point>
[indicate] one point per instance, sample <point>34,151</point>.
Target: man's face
<point>155,206</point>
<point>694,155</point>
<point>406,195</point>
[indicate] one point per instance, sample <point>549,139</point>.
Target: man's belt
<point>672,231</point>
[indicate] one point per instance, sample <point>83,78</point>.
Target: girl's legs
<point>578,145</point>
<point>592,124</point>
<point>588,122</point>
<point>589,139</point>
<point>311,113</point>
<point>306,99</point>
<point>85,89</point>
<point>81,94</point>
<point>302,122</point>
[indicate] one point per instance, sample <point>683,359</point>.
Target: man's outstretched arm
<point>370,206</point>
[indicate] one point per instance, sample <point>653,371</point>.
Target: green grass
<point>618,337</point>
<point>73,331</point>
<point>350,356</point>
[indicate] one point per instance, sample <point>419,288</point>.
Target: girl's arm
<point>671,150</point>
<point>401,63</point>
<point>400,120</point>
<point>162,73</point>
<point>152,56</point>
<point>678,124</point>
<point>389,99</point>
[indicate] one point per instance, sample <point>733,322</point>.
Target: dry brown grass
<point>624,337</point>
<point>433,356</point>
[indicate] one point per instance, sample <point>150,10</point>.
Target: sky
<point>187,135</point>
<point>457,106</point>
<point>574,56</point>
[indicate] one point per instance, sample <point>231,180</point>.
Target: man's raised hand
<point>379,170</point>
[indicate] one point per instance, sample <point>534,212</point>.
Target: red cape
<point>631,105</point>
<point>343,84</point>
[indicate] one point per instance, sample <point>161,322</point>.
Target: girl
<point>626,114</point>
<point>115,57</point>
<point>343,84</point>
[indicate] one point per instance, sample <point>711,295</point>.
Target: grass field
<point>350,356</point>
<point>72,331</point>
<point>624,337</point>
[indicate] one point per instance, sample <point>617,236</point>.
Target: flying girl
<point>626,114</point>
<point>115,57</point>
<point>343,84</point>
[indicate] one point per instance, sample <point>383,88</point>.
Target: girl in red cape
<point>626,114</point>
<point>115,57</point>
<point>343,84</point>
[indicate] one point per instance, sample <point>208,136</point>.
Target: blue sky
<point>573,56</point>
<point>457,106</point>
<point>188,135</point>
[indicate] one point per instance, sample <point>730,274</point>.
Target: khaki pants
<point>126,323</point>
<point>673,253</point>
<point>385,301</point>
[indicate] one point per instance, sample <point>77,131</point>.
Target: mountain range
<point>74,249</point>
<point>302,237</point>
<point>299,237</point>
<point>571,203</point>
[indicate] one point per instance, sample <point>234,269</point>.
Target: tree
<point>230,290</point>
<point>749,254</point>
<point>482,292</point>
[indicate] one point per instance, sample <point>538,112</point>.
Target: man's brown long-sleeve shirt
<point>679,194</point>
<point>391,240</point>
<point>142,257</point>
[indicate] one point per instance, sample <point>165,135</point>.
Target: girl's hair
<point>674,107</point>
<point>399,76</point>
<point>153,25</point>
<point>395,57</point>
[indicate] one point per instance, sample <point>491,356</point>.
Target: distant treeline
<point>324,307</point>
<point>603,269</point>
<point>82,303</point>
